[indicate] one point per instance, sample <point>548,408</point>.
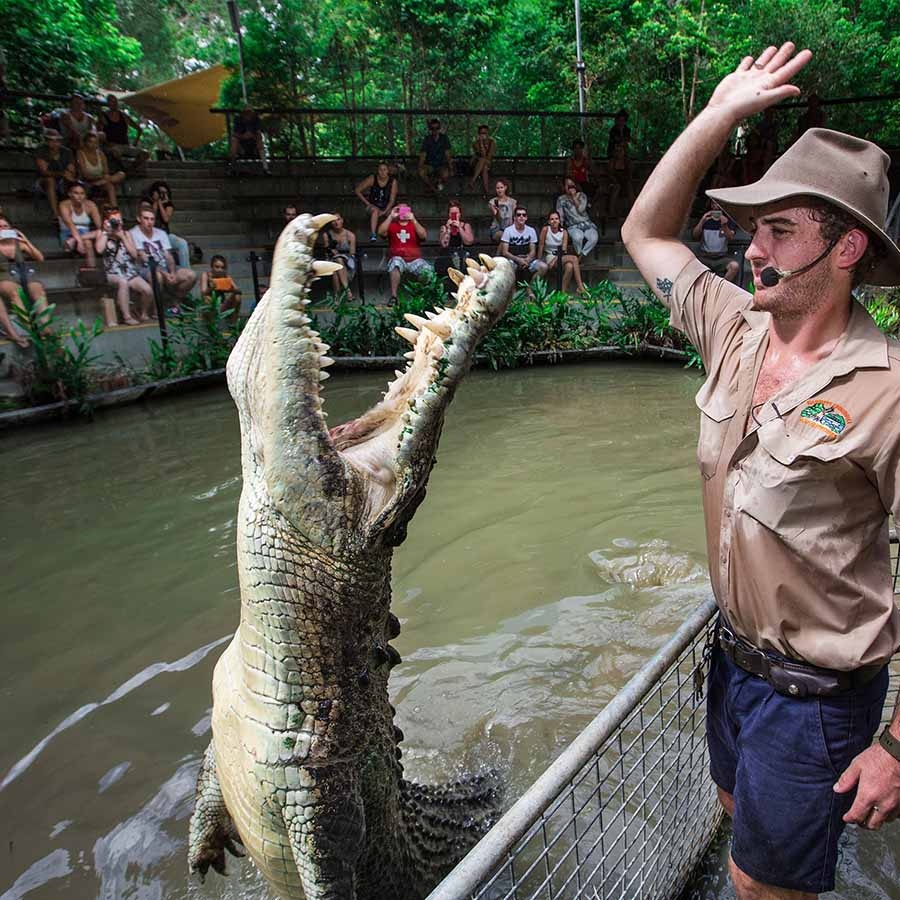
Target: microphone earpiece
<point>770,276</point>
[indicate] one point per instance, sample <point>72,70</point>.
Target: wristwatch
<point>890,743</point>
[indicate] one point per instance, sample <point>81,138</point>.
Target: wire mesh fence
<point>628,809</point>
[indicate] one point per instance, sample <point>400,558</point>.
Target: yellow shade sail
<point>181,107</point>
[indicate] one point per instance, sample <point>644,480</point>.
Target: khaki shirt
<point>797,494</point>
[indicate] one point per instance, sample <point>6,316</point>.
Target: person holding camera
<point>14,247</point>
<point>120,258</point>
<point>714,231</point>
<point>404,233</point>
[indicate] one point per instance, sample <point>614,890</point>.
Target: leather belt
<point>792,679</point>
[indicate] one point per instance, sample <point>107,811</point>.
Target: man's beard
<point>795,298</point>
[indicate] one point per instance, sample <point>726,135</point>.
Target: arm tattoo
<point>664,286</point>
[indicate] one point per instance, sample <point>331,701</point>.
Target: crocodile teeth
<point>407,334</point>
<point>487,261</point>
<point>439,328</point>
<point>411,354</point>
<point>430,315</point>
<point>322,267</point>
<point>471,265</point>
<point>323,348</point>
<point>323,376</point>
<point>455,275</point>
<point>415,320</point>
<point>398,373</point>
<point>325,362</point>
<point>323,219</point>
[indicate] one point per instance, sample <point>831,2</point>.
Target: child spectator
<point>378,193</point>
<point>435,158</point>
<point>572,208</point>
<point>340,247</point>
<point>219,281</point>
<point>553,245</point>
<point>56,169</point>
<point>14,246</point>
<point>152,242</point>
<point>404,234</point>
<point>502,209</point>
<point>76,123</point>
<point>114,124</point>
<point>94,168</point>
<point>79,224</point>
<point>483,149</point>
<point>455,234</point>
<point>159,198</point>
<point>120,261</point>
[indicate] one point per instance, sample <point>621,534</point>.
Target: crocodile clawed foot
<point>211,853</point>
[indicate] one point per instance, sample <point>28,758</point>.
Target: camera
<point>115,223</point>
<point>9,234</point>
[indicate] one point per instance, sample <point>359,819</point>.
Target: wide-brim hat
<point>844,170</point>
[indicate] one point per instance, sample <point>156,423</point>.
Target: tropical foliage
<point>659,58</point>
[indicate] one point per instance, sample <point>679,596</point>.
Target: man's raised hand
<point>758,83</point>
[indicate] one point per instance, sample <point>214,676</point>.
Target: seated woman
<point>159,197</point>
<point>340,247</point>
<point>502,207</point>
<point>217,280</point>
<point>93,168</point>
<point>455,234</point>
<point>14,247</point>
<point>572,208</point>
<point>378,193</point>
<point>483,149</point>
<point>79,224</point>
<point>120,257</point>
<point>553,245</point>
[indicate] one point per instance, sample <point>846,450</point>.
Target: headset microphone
<point>770,276</point>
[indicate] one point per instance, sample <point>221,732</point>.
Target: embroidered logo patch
<point>829,417</point>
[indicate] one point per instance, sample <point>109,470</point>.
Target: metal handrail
<point>482,860</point>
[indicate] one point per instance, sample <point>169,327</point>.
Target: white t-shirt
<point>519,241</point>
<point>156,246</point>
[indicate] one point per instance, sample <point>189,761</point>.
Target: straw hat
<point>844,170</point>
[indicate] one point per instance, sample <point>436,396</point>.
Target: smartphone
<point>404,212</point>
<point>9,234</point>
<point>454,215</point>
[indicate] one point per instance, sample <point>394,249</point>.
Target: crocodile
<point>304,769</point>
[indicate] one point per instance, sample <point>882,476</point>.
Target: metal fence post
<point>253,259</point>
<point>559,267</point>
<point>360,277</point>
<point>160,306</point>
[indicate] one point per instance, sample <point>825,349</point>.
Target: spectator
<point>247,139</point>
<point>120,261</point>
<point>518,244</point>
<point>76,123</point>
<point>289,213</point>
<point>94,168</point>
<point>714,231</point>
<point>572,208</point>
<point>617,150</point>
<point>813,117</point>
<point>340,247</point>
<point>159,198</point>
<point>502,208</point>
<point>378,193</point>
<point>553,244</point>
<point>56,168</point>
<point>114,124</point>
<point>483,149</point>
<point>767,129</point>
<point>435,158</point>
<point>404,233</point>
<point>153,243</point>
<point>217,279</point>
<point>580,169</point>
<point>455,234</point>
<point>14,246</point>
<point>79,224</point>
<point>753,165</point>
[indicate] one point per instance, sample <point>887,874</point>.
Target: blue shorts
<point>780,757</point>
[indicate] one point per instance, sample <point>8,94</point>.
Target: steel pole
<point>235,16</point>
<point>579,66</point>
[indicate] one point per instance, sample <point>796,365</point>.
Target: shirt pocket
<point>716,412</point>
<point>793,487</point>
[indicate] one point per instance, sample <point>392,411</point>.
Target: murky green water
<point>523,602</point>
